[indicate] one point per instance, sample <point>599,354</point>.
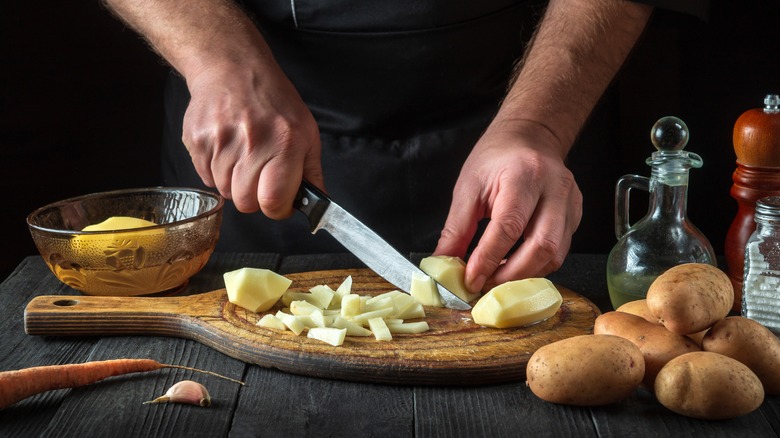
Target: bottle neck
<point>669,195</point>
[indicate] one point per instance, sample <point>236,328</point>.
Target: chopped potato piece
<point>414,311</point>
<point>518,303</point>
<point>365,316</point>
<point>324,295</point>
<point>380,330</point>
<point>345,288</point>
<point>271,321</point>
<point>449,272</point>
<point>298,308</point>
<point>353,328</point>
<point>332,336</point>
<point>407,327</point>
<point>291,321</point>
<point>256,290</point>
<point>350,305</point>
<point>291,296</point>
<point>424,290</point>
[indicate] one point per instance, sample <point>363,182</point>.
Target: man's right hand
<point>247,130</point>
<point>251,136</point>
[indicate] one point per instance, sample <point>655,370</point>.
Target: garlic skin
<point>186,391</point>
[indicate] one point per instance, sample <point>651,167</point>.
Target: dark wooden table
<point>276,404</point>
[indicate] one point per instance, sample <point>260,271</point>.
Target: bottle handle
<point>622,191</point>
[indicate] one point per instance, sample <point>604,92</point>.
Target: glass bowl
<point>131,261</point>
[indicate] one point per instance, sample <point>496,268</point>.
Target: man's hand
<point>251,136</point>
<point>514,178</point>
<point>247,130</point>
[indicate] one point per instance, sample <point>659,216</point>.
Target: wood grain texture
<point>454,351</point>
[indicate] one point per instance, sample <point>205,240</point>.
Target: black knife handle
<point>312,202</point>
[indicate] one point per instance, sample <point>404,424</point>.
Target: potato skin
<point>658,345</point>
<point>585,370</point>
<point>752,344</point>
<point>691,297</point>
<point>708,386</point>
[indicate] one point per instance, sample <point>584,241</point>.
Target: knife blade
<point>360,240</point>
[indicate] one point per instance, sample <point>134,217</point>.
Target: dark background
<point>81,111</point>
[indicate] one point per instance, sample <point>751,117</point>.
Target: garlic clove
<point>186,391</point>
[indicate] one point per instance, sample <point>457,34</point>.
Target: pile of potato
<point>679,343</point>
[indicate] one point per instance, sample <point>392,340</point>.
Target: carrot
<point>17,385</point>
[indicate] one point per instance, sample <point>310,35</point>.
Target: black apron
<point>401,91</point>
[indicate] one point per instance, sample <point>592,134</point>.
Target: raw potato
<point>332,336</point>
<point>709,386</point>
<point>517,303</point>
<point>254,289</point>
<point>424,290</point>
<point>691,297</point>
<point>750,343</point>
<point>449,272</point>
<point>586,370</point>
<point>658,345</point>
<point>639,308</point>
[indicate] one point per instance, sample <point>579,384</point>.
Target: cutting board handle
<point>58,315</point>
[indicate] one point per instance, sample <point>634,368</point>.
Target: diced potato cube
<point>255,289</point>
<point>424,290</point>
<point>345,288</point>
<point>365,316</point>
<point>271,321</point>
<point>303,308</point>
<point>408,327</point>
<point>380,330</point>
<point>382,303</point>
<point>291,321</point>
<point>414,311</point>
<point>350,305</point>
<point>450,273</point>
<point>353,328</point>
<point>324,295</point>
<point>517,303</point>
<point>332,336</point>
<point>291,296</point>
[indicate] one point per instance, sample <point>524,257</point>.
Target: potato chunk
<point>517,303</point>
<point>332,336</point>
<point>450,273</point>
<point>254,289</point>
<point>424,290</point>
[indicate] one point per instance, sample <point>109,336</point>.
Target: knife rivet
<point>305,201</point>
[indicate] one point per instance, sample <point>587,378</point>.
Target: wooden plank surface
<point>274,403</point>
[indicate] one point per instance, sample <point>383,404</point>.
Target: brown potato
<point>750,343</point>
<point>639,308</point>
<point>709,386</point>
<point>658,345</point>
<point>691,297</point>
<point>585,370</point>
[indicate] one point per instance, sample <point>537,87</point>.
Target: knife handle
<point>312,202</point>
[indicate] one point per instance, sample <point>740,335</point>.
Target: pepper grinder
<point>757,146</point>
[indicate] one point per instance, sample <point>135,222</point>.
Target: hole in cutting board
<point>65,303</point>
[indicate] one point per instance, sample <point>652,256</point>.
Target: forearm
<point>574,55</point>
<point>194,35</point>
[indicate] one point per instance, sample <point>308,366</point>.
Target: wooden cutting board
<point>456,351</point>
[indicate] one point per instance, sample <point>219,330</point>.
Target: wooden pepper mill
<point>757,145</point>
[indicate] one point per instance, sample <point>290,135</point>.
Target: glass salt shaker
<point>664,237</point>
<point>761,283</point>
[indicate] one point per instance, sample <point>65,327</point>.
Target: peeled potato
<point>517,303</point>
<point>255,289</point>
<point>449,272</point>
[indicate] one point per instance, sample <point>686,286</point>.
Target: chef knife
<point>324,214</point>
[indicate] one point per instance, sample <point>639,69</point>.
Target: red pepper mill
<point>757,145</point>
